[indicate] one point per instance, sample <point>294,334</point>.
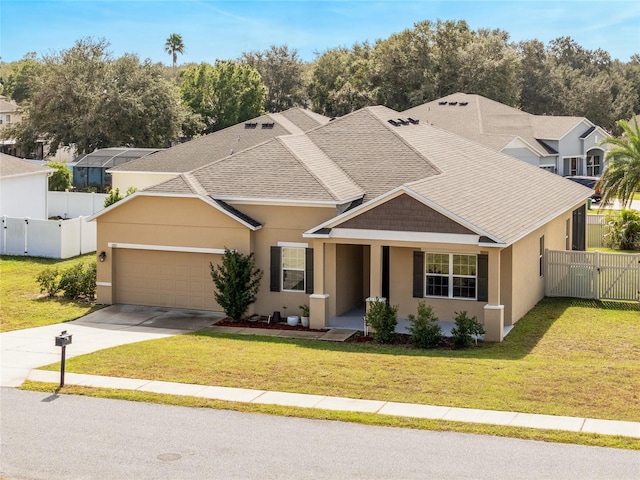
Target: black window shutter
<point>418,274</point>
<point>276,266</point>
<point>483,278</point>
<point>308,262</point>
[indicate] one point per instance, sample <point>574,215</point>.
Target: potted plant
<point>304,317</point>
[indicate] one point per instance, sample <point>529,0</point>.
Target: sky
<point>224,29</point>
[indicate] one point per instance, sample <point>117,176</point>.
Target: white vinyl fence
<point>597,275</point>
<point>74,204</point>
<point>47,238</point>
<point>596,229</point>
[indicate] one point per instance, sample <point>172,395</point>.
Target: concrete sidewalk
<point>491,417</point>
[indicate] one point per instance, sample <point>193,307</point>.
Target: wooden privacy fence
<point>602,276</point>
<point>596,229</point>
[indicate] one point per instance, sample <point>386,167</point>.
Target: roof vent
<point>394,123</point>
<point>413,121</point>
<point>268,125</point>
<point>442,103</point>
<point>251,125</point>
<point>402,121</point>
<point>453,103</point>
<point>463,104</point>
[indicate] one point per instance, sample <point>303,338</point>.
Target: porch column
<point>375,271</point>
<point>319,300</point>
<point>494,310</point>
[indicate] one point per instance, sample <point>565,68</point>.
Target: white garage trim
<point>166,248</point>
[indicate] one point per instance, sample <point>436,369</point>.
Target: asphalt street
<point>71,437</point>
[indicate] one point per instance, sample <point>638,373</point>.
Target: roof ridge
<point>194,184</point>
<point>285,122</point>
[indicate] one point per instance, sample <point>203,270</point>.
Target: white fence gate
<point>603,276</point>
<point>596,229</point>
<point>47,238</point>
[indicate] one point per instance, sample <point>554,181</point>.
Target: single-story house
<point>564,145</point>
<point>370,205</point>
<point>23,188</point>
<point>187,156</point>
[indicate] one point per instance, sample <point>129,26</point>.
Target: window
<point>293,268</point>
<point>8,119</point>
<point>451,275</point>
<point>593,165</point>
<point>541,256</point>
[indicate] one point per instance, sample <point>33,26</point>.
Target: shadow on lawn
<point>518,344</point>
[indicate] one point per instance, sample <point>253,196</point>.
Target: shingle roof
<point>204,150</point>
<point>11,166</point>
<point>492,123</point>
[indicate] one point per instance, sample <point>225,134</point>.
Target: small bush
<point>424,329</point>
<point>624,231</point>
<point>49,280</point>
<point>79,281</point>
<point>383,318</point>
<point>114,196</point>
<point>237,282</point>
<point>465,330</point>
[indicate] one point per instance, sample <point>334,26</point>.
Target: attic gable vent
<point>268,125</point>
<point>442,103</point>
<point>453,103</point>
<point>251,125</point>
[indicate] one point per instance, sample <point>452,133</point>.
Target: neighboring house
<point>564,145</point>
<point>10,113</point>
<point>182,158</point>
<point>364,207</point>
<point>90,171</point>
<point>23,188</point>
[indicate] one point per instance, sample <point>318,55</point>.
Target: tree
<point>224,94</point>
<point>281,71</point>
<point>60,180</point>
<point>621,177</point>
<point>174,46</point>
<point>115,196</point>
<point>237,282</point>
<point>17,85</point>
<point>84,96</point>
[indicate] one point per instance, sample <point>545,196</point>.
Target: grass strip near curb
<point>555,436</point>
<point>23,306</point>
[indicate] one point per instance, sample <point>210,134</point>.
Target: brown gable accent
<point>404,214</point>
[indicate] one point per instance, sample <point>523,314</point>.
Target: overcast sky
<point>224,29</point>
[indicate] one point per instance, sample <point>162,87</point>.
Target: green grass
<point>22,304</point>
<point>354,417</point>
<point>566,357</point>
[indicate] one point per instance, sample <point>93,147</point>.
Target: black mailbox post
<point>63,340</point>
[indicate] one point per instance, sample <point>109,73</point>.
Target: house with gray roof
<point>187,156</point>
<point>373,205</point>
<point>568,146</point>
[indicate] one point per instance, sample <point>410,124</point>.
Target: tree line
<point>86,96</point>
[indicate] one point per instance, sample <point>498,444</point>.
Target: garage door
<point>164,279</point>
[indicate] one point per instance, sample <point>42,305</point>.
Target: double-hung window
<point>293,268</point>
<point>451,275</point>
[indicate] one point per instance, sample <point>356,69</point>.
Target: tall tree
<point>621,178</point>
<point>174,46</point>
<point>281,70</point>
<point>85,97</point>
<point>224,94</point>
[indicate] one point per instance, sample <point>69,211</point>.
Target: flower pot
<point>304,321</point>
<point>292,320</point>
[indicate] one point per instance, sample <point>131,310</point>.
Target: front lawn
<point>22,304</point>
<point>566,357</point>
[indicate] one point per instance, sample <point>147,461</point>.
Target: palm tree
<point>621,178</point>
<point>173,47</point>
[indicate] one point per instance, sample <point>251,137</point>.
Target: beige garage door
<point>164,279</point>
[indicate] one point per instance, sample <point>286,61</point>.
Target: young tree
<point>174,46</point>
<point>237,282</point>
<point>224,94</point>
<point>60,180</point>
<point>621,177</point>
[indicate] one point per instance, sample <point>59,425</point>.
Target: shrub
<point>237,282</point>
<point>383,318</point>
<point>624,230</point>
<point>49,280</point>
<point>465,330</point>
<point>60,180</point>
<point>424,329</point>
<point>114,196</point>
<point>79,281</point>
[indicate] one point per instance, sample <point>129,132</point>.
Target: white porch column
<point>494,310</point>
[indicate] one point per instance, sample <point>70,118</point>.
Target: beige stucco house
<point>165,165</point>
<point>370,205</point>
<point>564,145</point>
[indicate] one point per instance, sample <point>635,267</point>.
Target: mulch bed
<point>261,322</point>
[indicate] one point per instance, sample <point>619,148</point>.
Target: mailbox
<point>63,339</point>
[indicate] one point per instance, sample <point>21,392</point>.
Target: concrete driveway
<point>23,350</point>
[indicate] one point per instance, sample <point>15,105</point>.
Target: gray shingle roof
<point>11,166</point>
<point>204,150</point>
